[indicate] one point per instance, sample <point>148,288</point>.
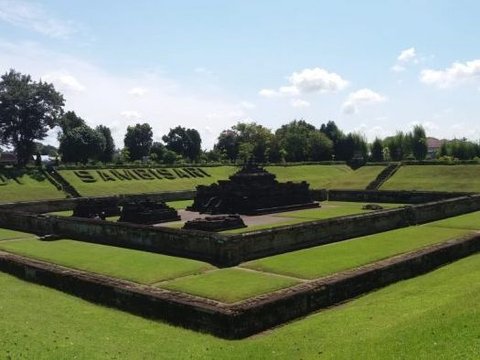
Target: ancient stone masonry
<point>216,223</point>
<point>91,207</point>
<point>252,191</point>
<point>147,212</point>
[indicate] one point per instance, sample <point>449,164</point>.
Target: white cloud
<point>308,81</point>
<point>33,17</point>
<point>299,103</point>
<point>361,97</point>
<point>131,114</point>
<point>407,55</point>
<point>456,74</point>
<point>63,81</point>
<point>137,91</point>
<point>106,99</point>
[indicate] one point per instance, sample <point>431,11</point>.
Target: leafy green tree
<point>320,147</point>
<point>256,136</point>
<point>169,157</point>
<point>294,138</point>
<point>377,150</point>
<point>81,144</point>
<point>138,140</point>
<point>185,142</point>
<point>157,151</point>
<point>109,150</point>
<point>28,109</point>
<point>419,143</point>
<point>70,121</point>
<point>228,143</point>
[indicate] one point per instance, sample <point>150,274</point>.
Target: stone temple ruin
<point>252,191</point>
<point>92,208</point>
<point>147,212</point>
<point>215,223</point>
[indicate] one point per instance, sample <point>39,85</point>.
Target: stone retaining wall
<point>47,206</point>
<point>248,317</point>
<point>230,250</point>
<point>391,196</point>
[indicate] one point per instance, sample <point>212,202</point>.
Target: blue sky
<point>372,66</point>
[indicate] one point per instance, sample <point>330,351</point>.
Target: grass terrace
<point>28,185</point>
<point>434,316</point>
<point>357,179</point>
<point>96,182</point>
<point>462,178</point>
<point>248,279</point>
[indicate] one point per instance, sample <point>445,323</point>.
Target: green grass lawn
<point>138,266</point>
<point>328,259</point>
<point>6,234</point>
<point>101,187</point>
<point>180,204</point>
<point>319,176</point>
<point>328,209</point>
<point>358,179</point>
<point>434,316</point>
<point>229,285</point>
<point>469,221</point>
<point>30,185</point>
<point>464,178</point>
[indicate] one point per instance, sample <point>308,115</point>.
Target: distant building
<point>433,146</point>
<point>8,159</point>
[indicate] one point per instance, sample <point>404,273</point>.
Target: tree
<point>377,150</point>
<point>157,151</point>
<point>109,150</point>
<point>28,109</point>
<point>70,121</point>
<point>227,142</point>
<point>81,144</point>
<point>185,142</point>
<point>294,138</point>
<point>419,143</point>
<point>256,136</point>
<point>320,147</point>
<point>138,140</point>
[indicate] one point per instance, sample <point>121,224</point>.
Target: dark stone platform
<point>252,191</point>
<point>215,223</point>
<point>92,208</point>
<point>147,212</point>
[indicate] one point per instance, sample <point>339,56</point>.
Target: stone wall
<point>230,250</point>
<point>47,206</point>
<point>391,196</point>
<point>248,317</point>
<point>192,244</point>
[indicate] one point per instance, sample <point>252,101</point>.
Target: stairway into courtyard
<point>384,175</point>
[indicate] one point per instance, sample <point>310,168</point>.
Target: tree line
<point>29,109</point>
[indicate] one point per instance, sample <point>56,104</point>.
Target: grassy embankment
<point>318,176</point>
<point>26,186</point>
<point>463,178</point>
<point>250,279</point>
<point>434,316</point>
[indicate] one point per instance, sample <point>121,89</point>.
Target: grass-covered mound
<point>358,179</point>
<point>434,316</point>
<point>26,185</point>
<point>139,266</point>
<point>94,182</point>
<point>464,178</point>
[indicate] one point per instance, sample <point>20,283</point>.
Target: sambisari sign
<point>90,176</point>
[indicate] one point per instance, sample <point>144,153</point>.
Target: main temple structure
<point>252,191</point>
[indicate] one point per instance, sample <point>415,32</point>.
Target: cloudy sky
<point>371,66</point>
